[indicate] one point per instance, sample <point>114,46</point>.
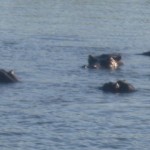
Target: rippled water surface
<point>57,104</point>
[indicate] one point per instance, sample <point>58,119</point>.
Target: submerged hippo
<point>146,53</point>
<point>119,86</point>
<point>7,76</point>
<point>108,61</point>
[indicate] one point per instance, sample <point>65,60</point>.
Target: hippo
<point>146,53</point>
<point>7,76</point>
<point>108,61</point>
<point>120,86</point>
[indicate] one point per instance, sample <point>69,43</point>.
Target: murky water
<point>57,105</point>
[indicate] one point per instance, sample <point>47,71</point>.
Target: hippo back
<point>7,77</point>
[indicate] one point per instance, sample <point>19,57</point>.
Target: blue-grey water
<point>57,105</point>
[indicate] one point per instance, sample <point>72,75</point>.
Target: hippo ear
<point>117,57</point>
<point>91,59</point>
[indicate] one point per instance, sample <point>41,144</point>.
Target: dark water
<point>57,105</point>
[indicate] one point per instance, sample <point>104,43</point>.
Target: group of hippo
<point>104,61</point>
<point>111,61</point>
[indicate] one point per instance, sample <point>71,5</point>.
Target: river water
<point>57,104</point>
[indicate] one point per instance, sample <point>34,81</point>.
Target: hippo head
<point>94,62</point>
<point>119,86</point>
<point>103,61</point>
<point>124,86</point>
<point>110,87</point>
